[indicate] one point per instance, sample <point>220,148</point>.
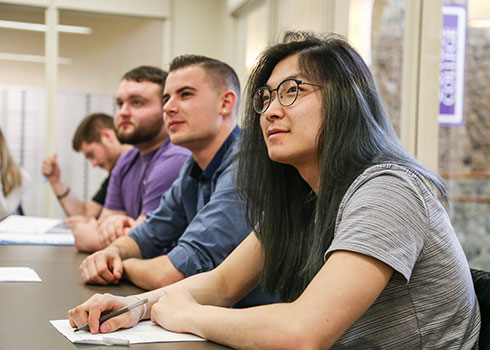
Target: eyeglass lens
<point>287,93</point>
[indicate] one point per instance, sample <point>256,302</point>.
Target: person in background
<point>142,174</point>
<point>95,137</point>
<point>348,231</point>
<point>12,181</point>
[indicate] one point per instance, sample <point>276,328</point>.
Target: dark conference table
<point>27,307</point>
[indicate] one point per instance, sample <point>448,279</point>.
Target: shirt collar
<point>208,173</point>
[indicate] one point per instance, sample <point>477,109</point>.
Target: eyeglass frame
<point>266,88</point>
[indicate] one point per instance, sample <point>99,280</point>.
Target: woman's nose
<point>275,110</point>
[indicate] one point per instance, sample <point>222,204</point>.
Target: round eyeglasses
<point>287,93</point>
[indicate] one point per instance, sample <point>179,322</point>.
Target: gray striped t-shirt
<point>390,213</point>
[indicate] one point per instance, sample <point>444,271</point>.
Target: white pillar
<point>51,72</point>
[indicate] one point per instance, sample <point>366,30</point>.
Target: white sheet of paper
<point>17,229</point>
<point>18,274</point>
<point>27,224</point>
<point>143,332</point>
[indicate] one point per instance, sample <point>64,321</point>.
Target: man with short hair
<point>144,173</point>
<point>200,219</point>
<point>95,137</point>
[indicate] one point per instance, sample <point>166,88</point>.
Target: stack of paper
<point>17,229</point>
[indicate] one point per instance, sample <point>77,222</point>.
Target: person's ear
<point>228,101</point>
<point>107,136</point>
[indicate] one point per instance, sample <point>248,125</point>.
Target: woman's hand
<point>91,310</point>
<point>175,310</point>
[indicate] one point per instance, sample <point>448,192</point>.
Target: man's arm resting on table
<point>86,236</point>
<point>115,225</point>
<point>153,273</point>
<point>126,247</point>
<point>109,212</point>
<point>105,266</point>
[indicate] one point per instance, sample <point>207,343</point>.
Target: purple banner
<point>451,77</point>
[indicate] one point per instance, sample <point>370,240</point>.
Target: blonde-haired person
<point>12,181</point>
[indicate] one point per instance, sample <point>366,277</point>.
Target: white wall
<point>201,27</point>
<point>23,42</point>
<point>116,45</point>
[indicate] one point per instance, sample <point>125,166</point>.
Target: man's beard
<point>138,136</point>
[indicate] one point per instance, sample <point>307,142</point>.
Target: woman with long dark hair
<point>348,231</point>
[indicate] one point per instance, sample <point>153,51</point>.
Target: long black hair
<point>295,226</point>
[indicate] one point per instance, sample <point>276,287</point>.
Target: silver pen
<point>114,314</point>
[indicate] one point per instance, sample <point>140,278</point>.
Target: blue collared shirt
<point>200,219</point>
